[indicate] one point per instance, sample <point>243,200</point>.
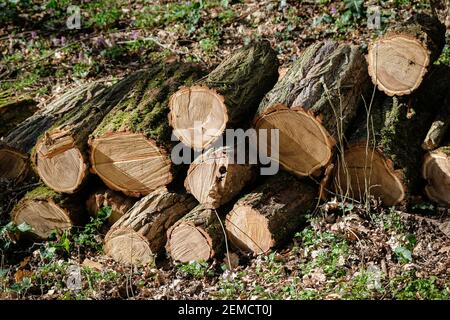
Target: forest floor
<point>345,252</point>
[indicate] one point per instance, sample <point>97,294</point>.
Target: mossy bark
<point>243,79</point>
<point>328,81</point>
<point>71,207</point>
<point>398,126</point>
<point>144,108</point>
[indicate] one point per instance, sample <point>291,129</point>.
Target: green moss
<point>41,192</point>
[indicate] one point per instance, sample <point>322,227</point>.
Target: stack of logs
<point>338,135</point>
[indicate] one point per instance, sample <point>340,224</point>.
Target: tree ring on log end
<point>436,170</point>
<point>304,144</point>
<point>42,216</point>
<point>189,243</point>
<point>13,164</point>
<point>397,64</point>
<point>130,162</point>
<point>125,245</point>
<point>198,116</point>
<point>59,163</point>
<point>248,230</point>
<point>367,169</point>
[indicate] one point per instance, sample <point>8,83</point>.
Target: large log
<point>215,177</point>
<point>141,233</point>
<point>436,171</point>
<point>313,105</point>
<point>270,214</point>
<point>227,97</point>
<point>399,60</point>
<point>383,158</point>
<point>199,235</point>
<point>16,147</point>
<point>45,211</point>
<point>130,148</point>
<point>60,156</point>
<point>103,197</point>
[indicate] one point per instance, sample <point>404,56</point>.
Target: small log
<point>16,147</point>
<point>60,156</point>
<point>214,178</point>
<point>436,171</point>
<point>103,197</point>
<point>45,211</point>
<point>383,159</point>
<point>314,104</point>
<point>130,148</point>
<point>197,236</point>
<point>399,60</point>
<point>227,97</point>
<point>269,215</point>
<point>146,222</point>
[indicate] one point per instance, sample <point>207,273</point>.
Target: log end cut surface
<point>304,145</point>
<point>198,116</point>
<point>125,245</point>
<point>42,216</point>
<point>249,230</point>
<point>59,163</point>
<point>397,64</point>
<point>189,243</point>
<point>130,163</point>
<point>368,170</point>
<point>13,165</point>
<point>436,170</point>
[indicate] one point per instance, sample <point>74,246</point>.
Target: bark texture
<point>269,215</point>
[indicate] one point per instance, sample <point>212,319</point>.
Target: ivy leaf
<point>403,253</point>
<point>24,227</point>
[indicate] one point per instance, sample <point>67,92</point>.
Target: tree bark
<point>399,60</point>
<point>227,97</point>
<point>313,105</point>
<point>215,177</point>
<point>104,197</point>
<point>436,172</point>
<point>147,220</point>
<point>197,236</point>
<point>16,147</point>
<point>269,215</point>
<point>13,110</point>
<point>45,210</point>
<point>383,158</point>
<point>130,148</point>
<point>60,155</point>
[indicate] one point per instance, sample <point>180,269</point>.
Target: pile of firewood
<point>349,125</point>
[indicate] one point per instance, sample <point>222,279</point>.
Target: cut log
<point>131,146</point>
<point>14,110</point>
<point>227,97</point>
<point>45,211</point>
<point>103,197</point>
<point>60,156</point>
<point>436,171</point>
<point>145,225</point>
<point>16,147</point>
<point>313,105</point>
<point>384,158</point>
<point>269,215</point>
<point>215,177</point>
<point>198,236</point>
<point>399,60</point>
